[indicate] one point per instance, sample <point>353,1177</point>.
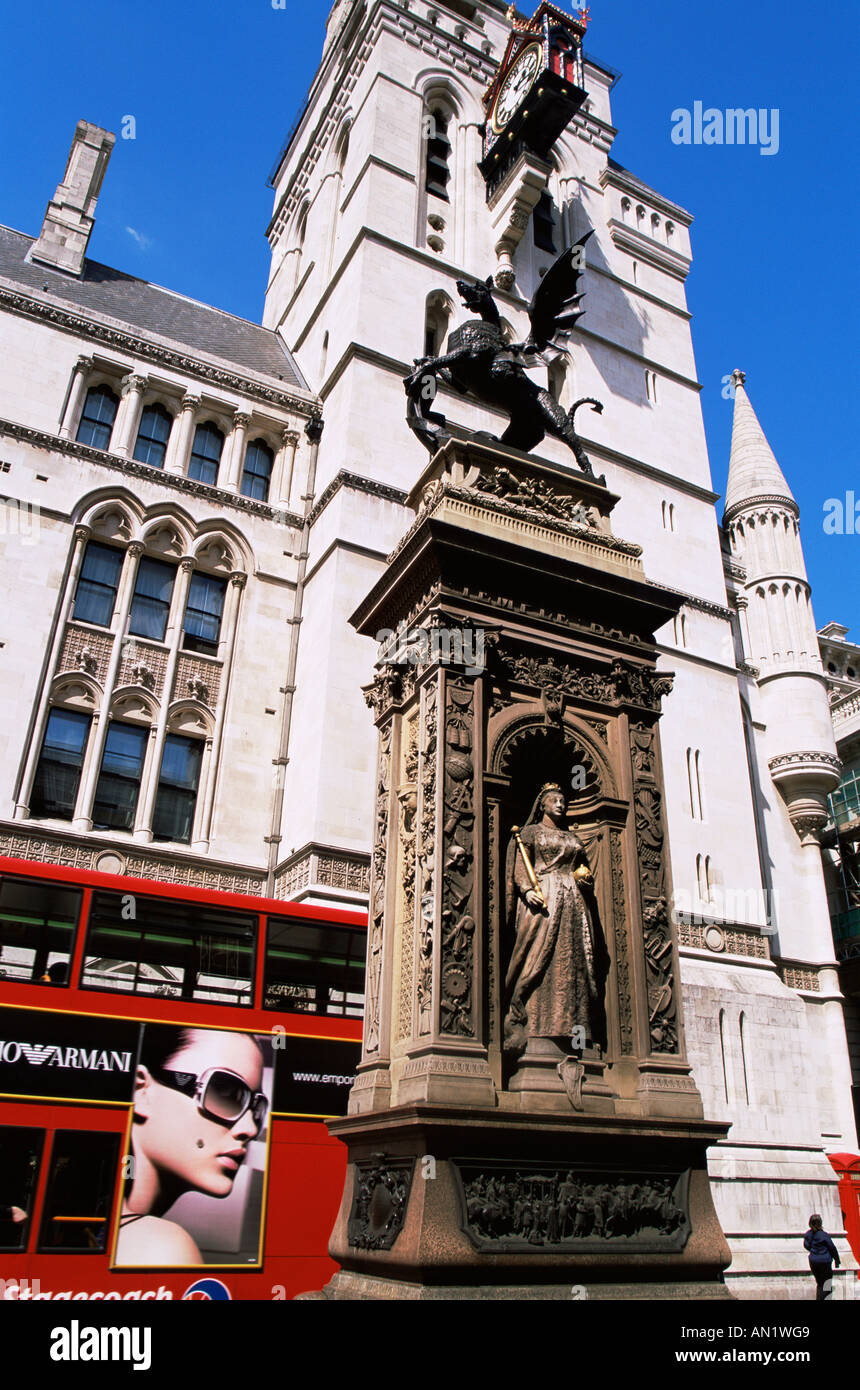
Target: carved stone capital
<point>241,419</point>
<point>190,401</point>
<point>238,579</point>
<point>82,533</point>
<point>133,382</point>
<point>136,549</point>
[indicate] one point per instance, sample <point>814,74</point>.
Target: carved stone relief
<point>379,1200</point>
<point>458,853</point>
<point>536,1209</point>
<point>376,917</point>
<point>424,859</point>
<point>622,961</point>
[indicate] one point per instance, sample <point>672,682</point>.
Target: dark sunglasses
<point>220,1094</point>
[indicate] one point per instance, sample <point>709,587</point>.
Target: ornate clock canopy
<point>539,87</point>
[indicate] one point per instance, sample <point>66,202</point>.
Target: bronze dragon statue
<point>481,364</point>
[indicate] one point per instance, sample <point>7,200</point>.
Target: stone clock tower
<point>386,194</point>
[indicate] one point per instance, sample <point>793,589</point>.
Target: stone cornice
<point>754,504</point>
<point>125,340</point>
<point>37,843</point>
<point>806,759</point>
<point>358,484</point>
<point>635,243</point>
<point>52,443</point>
<point>629,183</point>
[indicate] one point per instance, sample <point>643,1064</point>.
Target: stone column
<point>83,818</point>
<point>285,463</point>
<point>22,805</point>
<point>179,446</point>
<point>78,391</point>
<point>128,415</point>
<point>209,771</point>
<point>236,445</point>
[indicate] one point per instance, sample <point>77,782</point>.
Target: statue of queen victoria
<point>557,972</point>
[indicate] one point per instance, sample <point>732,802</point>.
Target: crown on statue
<point>550,787</point>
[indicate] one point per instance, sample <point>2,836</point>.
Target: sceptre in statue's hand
<point>529,868</point>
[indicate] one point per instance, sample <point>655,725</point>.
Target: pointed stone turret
<point>754,474</point>
<point>777,623</point>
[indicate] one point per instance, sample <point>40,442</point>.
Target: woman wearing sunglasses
<point>197,1106</point>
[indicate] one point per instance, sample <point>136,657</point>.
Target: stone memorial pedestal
<point>524,1123</point>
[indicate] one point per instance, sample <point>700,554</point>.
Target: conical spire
<point>753,470</point>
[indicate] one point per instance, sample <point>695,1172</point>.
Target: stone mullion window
<point>95,750</point>
<point>22,806</point>
<point>173,640</point>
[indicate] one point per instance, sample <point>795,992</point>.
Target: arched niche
<point>76,692</point>
<point>133,704</point>
<point>190,718</point>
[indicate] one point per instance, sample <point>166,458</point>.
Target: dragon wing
<point>555,303</point>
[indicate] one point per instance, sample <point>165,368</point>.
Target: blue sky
<point>214,86</point>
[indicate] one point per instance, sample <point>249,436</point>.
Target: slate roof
<point>151,309</point>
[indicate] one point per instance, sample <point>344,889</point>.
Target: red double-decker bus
<point>168,1057</point>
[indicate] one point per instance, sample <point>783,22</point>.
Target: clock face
<point>516,85</point>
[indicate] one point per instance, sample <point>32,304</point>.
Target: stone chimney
<point>70,217</point>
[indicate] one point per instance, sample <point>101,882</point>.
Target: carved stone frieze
<point>532,1208</point>
<point>622,684</point>
<point>660,977</point>
<point>52,443</point>
<point>425,842</point>
<point>39,847</point>
<point>376,915</point>
<point>379,1198</point>
<point>535,494</point>
<point>800,977</point>
<point>458,858</point>
<point>87,651</point>
<point>546,509</point>
<point>737,941</point>
<point>661,984</point>
<point>197,680</point>
<point>133,344</point>
<point>407,799</point>
<point>622,961</point>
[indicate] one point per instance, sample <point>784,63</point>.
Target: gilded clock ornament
<point>516,86</point>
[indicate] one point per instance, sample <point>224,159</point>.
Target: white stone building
<point>153,428</point>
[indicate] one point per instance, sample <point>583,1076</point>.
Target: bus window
<point>170,950</point>
<point>37,931</point>
<point>76,1215</point>
<point>314,968</point>
<point>20,1158</point>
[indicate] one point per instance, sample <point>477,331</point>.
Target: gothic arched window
<point>95,596</point>
<point>206,453</point>
<point>176,797</point>
<point>97,417</point>
<point>118,787</point>
<point>152,436</point>
<point>259,461</point>
<point>58,775</point>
